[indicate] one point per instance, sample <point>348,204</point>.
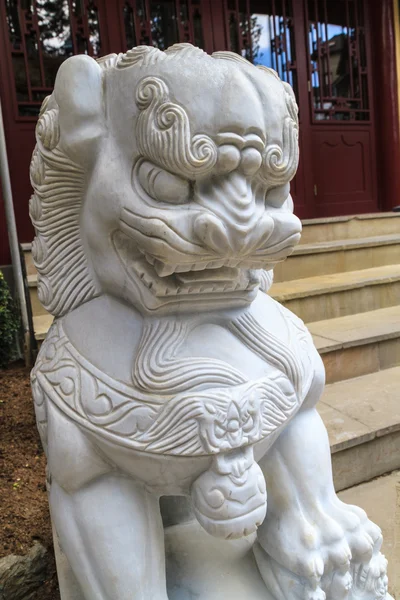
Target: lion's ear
<point>78,92</point>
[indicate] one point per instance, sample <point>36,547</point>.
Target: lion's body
<point>110,431</point>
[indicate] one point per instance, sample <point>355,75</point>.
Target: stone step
<point>29,265</point>
<point>324,258</point>
<point>41,325</point>
<point>358,344</point>
<point>380,500</point>
<point>348,227</point>
<point>362,416</point>
<point>37,307</point>
<point>340,294</point>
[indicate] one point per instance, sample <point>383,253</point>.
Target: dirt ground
<point>24,515</point>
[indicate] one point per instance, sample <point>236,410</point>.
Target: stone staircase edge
<point>327,287</point>
<point>346,244</point>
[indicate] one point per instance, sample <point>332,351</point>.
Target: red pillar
<point>385,85</point>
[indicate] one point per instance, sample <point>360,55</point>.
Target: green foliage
<point>9,323</point>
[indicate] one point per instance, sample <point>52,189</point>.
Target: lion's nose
<point>213,234</point>
<point>232,222</point>
<point>227,239</point>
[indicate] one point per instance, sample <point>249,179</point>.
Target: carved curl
<point>163,132</point>
<point>47,129</point>
<point>279,162</point>
<point>147,56</point>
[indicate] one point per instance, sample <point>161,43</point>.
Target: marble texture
<point>161,206</point>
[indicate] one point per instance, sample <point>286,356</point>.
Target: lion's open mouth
<point>163,279</point>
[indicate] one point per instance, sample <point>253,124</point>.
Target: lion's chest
<point>196,388</point>
<point>218,343</point>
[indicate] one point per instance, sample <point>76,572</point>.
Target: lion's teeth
<point>217,264</point>
<point>182,268</point>
<point>162,269</point>
<point>208,288</point>
<point>150,258</point>
<point>228,288</point>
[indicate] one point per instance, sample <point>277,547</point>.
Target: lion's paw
<point>363,536</point>
<point>323,546</point>
<point>306,546</point>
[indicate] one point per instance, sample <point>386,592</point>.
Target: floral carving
<point>190,423</point>
<point>231,427</point>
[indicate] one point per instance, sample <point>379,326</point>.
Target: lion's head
<point>163,178</point>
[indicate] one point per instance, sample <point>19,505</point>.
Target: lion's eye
<point>163,186</point>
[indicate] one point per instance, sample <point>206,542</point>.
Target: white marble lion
<point>161,205</point>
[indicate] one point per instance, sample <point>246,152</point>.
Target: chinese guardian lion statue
<point>161,205</point>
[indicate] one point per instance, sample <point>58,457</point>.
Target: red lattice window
<point>162,24</point>
<point>338,61</point>
<point>42,34</point>
<point>263,32</point>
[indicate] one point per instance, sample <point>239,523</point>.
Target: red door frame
<point>329,130</point>
<point>387,102</point>
<point>19,132</point>
<point>305,206</point>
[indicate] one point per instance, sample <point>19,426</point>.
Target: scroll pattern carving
<point>163,132</point>
<point>146,56</point>
<point>280,163</point>
<point>191,423</point>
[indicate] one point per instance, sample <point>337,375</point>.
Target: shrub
<point>9,323</point>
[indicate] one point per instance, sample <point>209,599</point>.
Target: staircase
<point>41,318</point>
<point>343,280</point>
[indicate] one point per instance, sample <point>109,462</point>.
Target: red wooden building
<point>339,55</point>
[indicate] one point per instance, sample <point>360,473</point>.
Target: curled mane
<point>64,279</point>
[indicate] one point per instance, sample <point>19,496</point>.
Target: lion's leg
<point>68,584</point>
<point>308,531</point>
<point>109,527</point>
<point>112,534</point>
